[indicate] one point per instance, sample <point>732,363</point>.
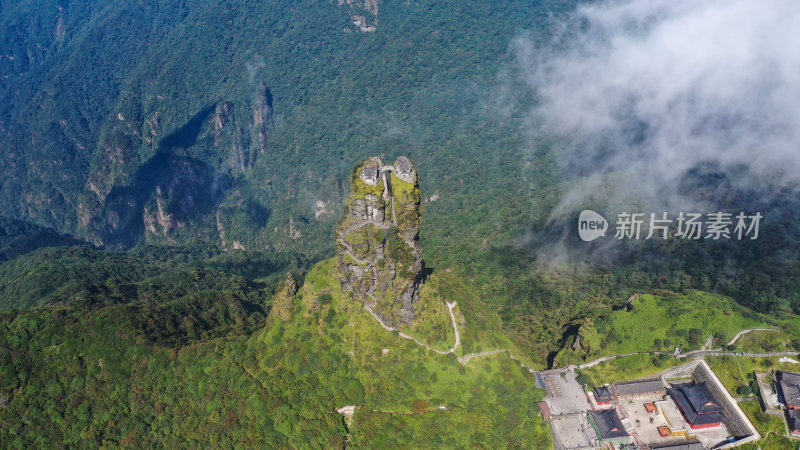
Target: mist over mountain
<point>660,88</point>
<point>671,107</point>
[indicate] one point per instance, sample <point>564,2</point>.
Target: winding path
<point>739,334</point>
<point>450,307</point>
<point>464,359</point>
<point>358,224</point>
<point>749,354</point>
<point>461,359</point>
<point>608,358</point>
<point>692,354</point>
<point>697,353</point>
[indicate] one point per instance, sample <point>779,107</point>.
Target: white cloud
<point>670,84</point>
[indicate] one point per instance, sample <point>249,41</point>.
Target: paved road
<point>606,358</point>
<point>709,343</point>
<point>749,354</point>
<point>705,351</point>
<point>450,305</point>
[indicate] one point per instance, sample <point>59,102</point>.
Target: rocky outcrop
<point>380,257</point>
<point>183,181</point>
<point>283,301</point>
<point>156,220</point>
<point>363,15</point>
<point>262,119</point>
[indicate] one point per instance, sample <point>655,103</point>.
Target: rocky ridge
<point>379,253</point>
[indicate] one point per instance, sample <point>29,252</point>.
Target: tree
<point>744,391</point>
<point>695,337</point>
<point>584,379</point>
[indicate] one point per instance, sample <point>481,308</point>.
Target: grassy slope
<point>764,341</point>
<point>626,369</point>
<point>400,377</point>
<point>736,371</point>
<point>772,428</point>
<point>655,317</point>
<point>659,323</point>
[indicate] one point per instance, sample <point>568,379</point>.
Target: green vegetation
<point>479,326</point>
<point>658,323</point>
<point>627,368</point>
<point>433,324</point>
<point>399,378</point>
<point>772,428</point>
<point>130,374</point>
<point>177,124</point>
<point>739,371</point>
<point>404,193</point>
<point>268,106</point>
<point>359,187</point>
<point>18,237</point>
<point>663,322</point>
<point>85,276</point>
<point>203,126</point>
<point>766,341</point>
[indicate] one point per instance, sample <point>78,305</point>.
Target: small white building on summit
<point>403,169</point>
<point>371,171</point>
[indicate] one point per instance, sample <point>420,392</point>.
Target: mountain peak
<point>380,257</point>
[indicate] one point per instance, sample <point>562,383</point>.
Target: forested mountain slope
<point>234,123</point>
<point>190,357</point>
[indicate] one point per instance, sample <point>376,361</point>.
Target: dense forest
<point>190,356</point>
<point>129,124</point>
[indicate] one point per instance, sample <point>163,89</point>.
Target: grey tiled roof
<point>790,387</point>
<point>697,403</point>
<point>680,445</point>
<point>370,172</point>
<point>608,424</point>
<point>639,387</point>
<point>794,419</point>
<point>602,393</point>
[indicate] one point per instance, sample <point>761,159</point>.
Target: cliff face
<point>380,257</point>
<point>363,15</point>
<point>283,301</point>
